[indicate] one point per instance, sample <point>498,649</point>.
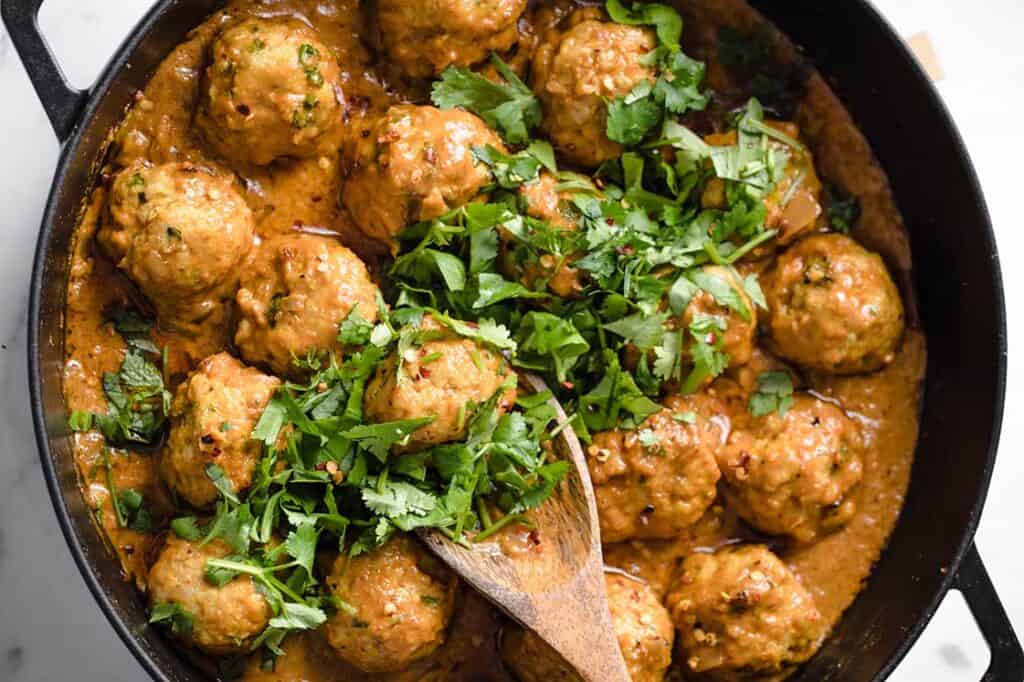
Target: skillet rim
<point>120,60</point>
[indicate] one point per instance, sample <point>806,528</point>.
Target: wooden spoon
<point>557,591</point>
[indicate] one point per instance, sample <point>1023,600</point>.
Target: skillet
<point>958,281</point>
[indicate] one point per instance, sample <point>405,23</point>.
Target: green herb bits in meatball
<point>792,473</point>
<point>657,480</point>
<point>642,627</point>
<point>212,417</point>
<point>576,72</point>
<point>424,37</point>
<point>400,602</point>
<point>291,302</point>
<point>271,90</point>
<point>159,227</point>
<point>221,620</point>
<point>439,376</point>
<point>833,307</point>
<point>415,163</point>
<point>740,612</point>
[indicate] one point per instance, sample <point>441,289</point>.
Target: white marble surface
<point>43,601</point>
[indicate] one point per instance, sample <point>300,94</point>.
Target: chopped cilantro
<point>774,394</point>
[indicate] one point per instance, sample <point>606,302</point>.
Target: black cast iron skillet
<point>958,281</point>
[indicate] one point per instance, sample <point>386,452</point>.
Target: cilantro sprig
<point>510,107</point>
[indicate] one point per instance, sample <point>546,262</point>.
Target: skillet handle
<point>1007,656</point>
<point>62,103</point>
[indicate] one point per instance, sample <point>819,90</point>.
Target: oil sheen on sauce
<point>304,195</point>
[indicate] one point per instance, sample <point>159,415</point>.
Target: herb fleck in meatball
<point>792,475</point>
<point>741,611</point>
<point>415,163</point>
<point>225,619</point>
<point>833,307</point>
<point>162,221</point>
<point>576,73</point>
<point>537,269</point>
<point>740,329</point>
<point>212,418</point>
<point>438,378</point>
<point>659,479</point>
<point>403,601</point>
<point>293,298</point>
<point>424,37</point>
<point>642,626</point>
<point>272,89</point>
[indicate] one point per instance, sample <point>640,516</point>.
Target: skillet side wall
<point>959,289</point>
<point>958,286</point>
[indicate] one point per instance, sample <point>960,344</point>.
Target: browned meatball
<point>576,72</point>
<point>642,627</point>
<point>212,418</point>
<point>293,298</point>
<point>272,89</point>
<point>792,475</point>
<point>424,37</point>
<point>742,612</point>
<point>833,306</point>
<point>792,210</point>
<point>403,601</point>
<point>439,378</point>
<point>658,480</point>
<point>543,201</point>
<point>225,619</point>
<point>163,220</point>
<point>415,163</point>
<point>740,330</point>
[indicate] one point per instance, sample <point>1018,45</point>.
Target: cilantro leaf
<point>509,171</point>
<point>665,20</point>
<point>632,117</point>
<point>186,528</point>
<point>774,394</point>
<point>174,616</point>
<point>547,341</point>
<point>354,330</point>
<point>221,482</point>
<point>616,394</point>
<point>378,439</point>
<point>511,107</point>
<point>642,330</point>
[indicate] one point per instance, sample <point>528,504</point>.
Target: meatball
<point>438,378</point>
<point>794,204</point>
<point>833,307</point>
<point>403,601</point>
<point>576,73</point>
<point>740,329</point>
<point>415,163</point>
<point>642,626</point>
<point>225,619</point>
<point>658,480</point>
<point>792,475</point>
<point>272,89</point>
<point>291,302</point>
<point>212,417</point>
<point>542,200</point>
<point>423,38</point>
<point>161,223</point>
<point>741,611</point>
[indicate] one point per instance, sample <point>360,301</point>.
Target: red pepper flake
<point>568,385</point>
<point>534,537</point>
<point>424,372</point>
<point>609,221</point>
<point>626,250</point>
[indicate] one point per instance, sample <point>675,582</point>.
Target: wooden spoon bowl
<point>558,589</point>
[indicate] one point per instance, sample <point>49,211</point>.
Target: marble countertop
<point>43,600</point>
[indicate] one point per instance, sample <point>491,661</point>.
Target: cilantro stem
<point>264,575</point>
<point>750,246</point>
<point>501,524</point>
<point>483,513</point>
<point>122,521</point>
<point>460,541</point>
<point>712,251</point>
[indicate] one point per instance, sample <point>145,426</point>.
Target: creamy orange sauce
<point>303,194</point>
